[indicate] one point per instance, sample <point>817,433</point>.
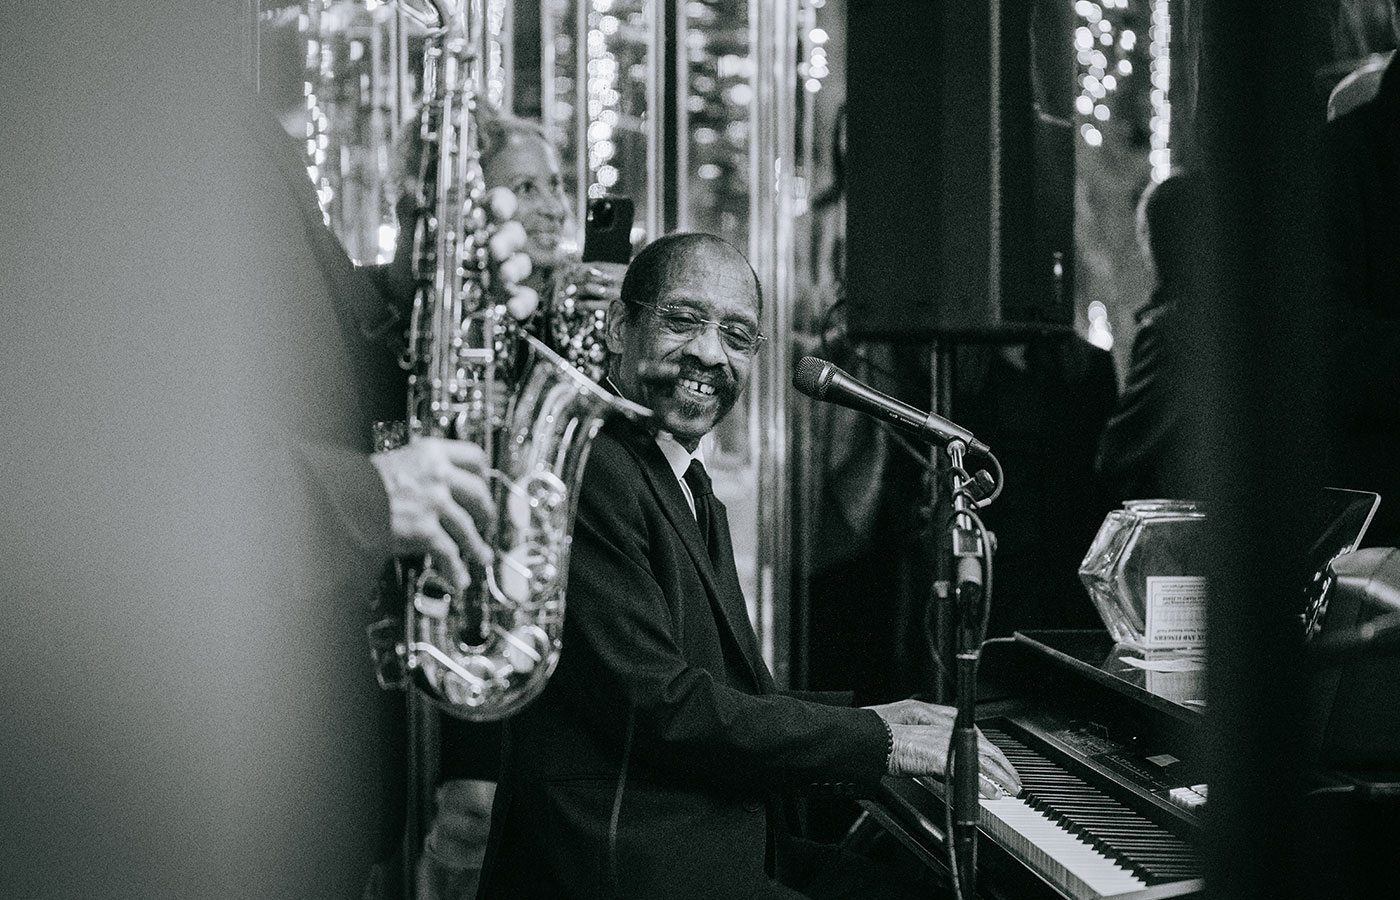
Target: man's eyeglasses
<point>688,324</point>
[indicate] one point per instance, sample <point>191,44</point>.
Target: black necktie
<point>703,494</point>
<point>714,528</point>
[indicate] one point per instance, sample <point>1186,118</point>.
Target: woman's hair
<point>494,131</point>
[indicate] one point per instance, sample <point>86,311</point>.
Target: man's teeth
<point>698,387</point>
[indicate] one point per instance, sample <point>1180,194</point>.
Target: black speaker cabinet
<point>960,205</point>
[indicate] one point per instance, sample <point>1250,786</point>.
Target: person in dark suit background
<point>655,762</point>
<point>1140,451</point>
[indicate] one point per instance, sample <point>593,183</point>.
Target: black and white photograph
<point>700,450</point>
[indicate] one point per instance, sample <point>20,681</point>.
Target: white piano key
<point>1058,854</point>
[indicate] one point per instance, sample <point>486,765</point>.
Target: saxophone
<point>475,373</point>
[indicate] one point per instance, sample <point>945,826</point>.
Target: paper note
<point>1176,611</point>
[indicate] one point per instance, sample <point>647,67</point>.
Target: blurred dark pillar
<point>1253,319</point>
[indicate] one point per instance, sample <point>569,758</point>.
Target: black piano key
<point>1134,842</point>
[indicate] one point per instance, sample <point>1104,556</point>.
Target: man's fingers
<point>998,768</point>
<point>923,713</point>
<point>445,556</point>
<point>473,493</point>
<point>465,534</point>
<point>462,454</point>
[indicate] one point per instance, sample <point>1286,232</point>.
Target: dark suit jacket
<point>660,688</point>
<point>1141,450</point>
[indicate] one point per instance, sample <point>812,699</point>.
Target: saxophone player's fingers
<point>464,538</point>
<point>472,493</point>
<point>469,514</point>
<point>462,454</point>
<point>515,268</point>
<point>446,556</point>
<point>508,240</point>
<point>523,302</point>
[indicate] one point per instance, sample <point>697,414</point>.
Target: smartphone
<point>607,230</point>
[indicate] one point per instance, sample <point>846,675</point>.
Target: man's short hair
<point>1168,213</point>
<point>650,269</point>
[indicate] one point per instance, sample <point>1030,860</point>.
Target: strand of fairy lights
<point>1160,125</point>
<point>816,66</point>
<point>495,53</point>
<point>320,65</point>
<point>603,97</point>
<point>1102,55</point>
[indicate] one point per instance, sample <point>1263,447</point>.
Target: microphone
<point>822,380</point>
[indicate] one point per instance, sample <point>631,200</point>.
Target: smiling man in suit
<point>656,762</point>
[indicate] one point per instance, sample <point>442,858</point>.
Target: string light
<point>1099,333</point>
<point>1102,50</point>
<point>816,66</point>
<point>1094,34</point>
<point>495,53</point>
<point>320,69</point>
<point>600,70</point>
<point>1159,49</point>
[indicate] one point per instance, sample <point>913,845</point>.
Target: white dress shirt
<point>679,459</point>
<point>676,456</point>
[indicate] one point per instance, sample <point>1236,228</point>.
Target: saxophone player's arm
<point>439,501</point>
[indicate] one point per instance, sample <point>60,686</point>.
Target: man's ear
<point>616,326</point>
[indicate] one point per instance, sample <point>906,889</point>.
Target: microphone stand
<point>969,614</point>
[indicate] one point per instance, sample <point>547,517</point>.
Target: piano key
<point>1072,816</point>
<point>1057,853</point>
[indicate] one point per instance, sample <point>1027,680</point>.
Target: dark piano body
<point>1105,748</point>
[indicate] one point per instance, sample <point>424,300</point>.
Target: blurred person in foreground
<point>193,523</point>
<point>660,759</point>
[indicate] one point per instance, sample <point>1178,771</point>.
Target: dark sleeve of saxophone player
<point>429,497</point>
<point>354,493</point>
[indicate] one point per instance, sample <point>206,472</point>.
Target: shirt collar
<point>677,457</point>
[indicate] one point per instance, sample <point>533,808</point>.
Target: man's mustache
<point>658,372</point>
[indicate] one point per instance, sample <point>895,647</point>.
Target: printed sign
<point>1176,611</point>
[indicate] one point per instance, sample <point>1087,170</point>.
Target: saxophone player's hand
<point>439,502</point>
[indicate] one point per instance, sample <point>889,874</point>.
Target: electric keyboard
<point>1102,770</point>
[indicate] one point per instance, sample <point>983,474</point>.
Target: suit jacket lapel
<point>732,598</point>
<point>722,587</point>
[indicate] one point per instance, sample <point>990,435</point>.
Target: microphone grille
<point>808,377</point>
